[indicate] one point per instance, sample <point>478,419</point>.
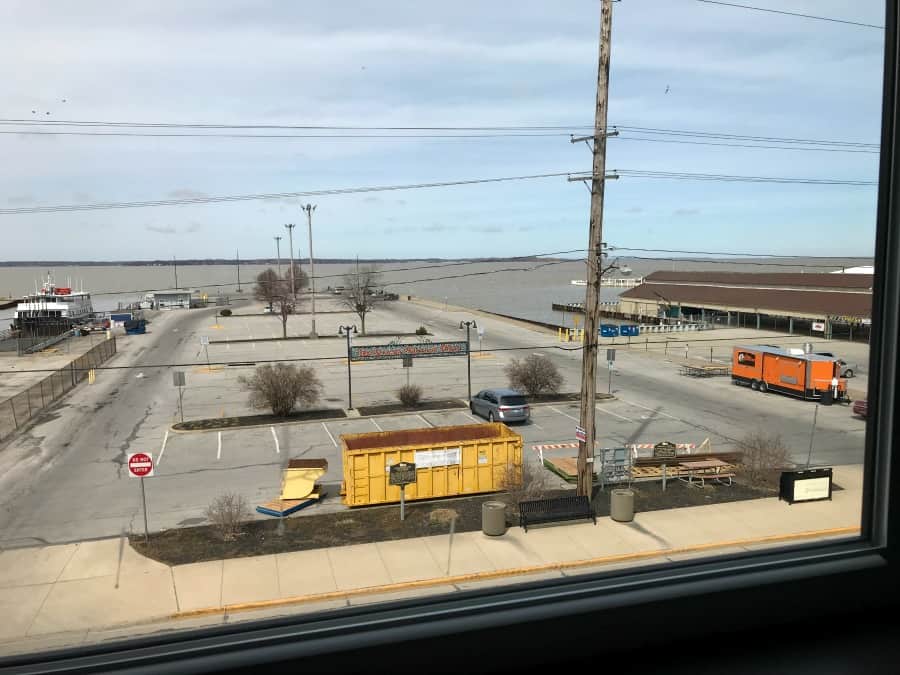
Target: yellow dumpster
<point>450,461</point>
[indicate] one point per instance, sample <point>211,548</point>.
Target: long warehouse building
<point>830,305</point>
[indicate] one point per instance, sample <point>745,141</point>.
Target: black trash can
<point>827,397</point>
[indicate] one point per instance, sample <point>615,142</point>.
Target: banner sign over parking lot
<point>399,351</point>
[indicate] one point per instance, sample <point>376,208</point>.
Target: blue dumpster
<point>609,330</point>
<point>629,331</point>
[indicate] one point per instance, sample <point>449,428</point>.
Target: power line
<point>738,253</point>
<point>741,137</point>
<point>743,145</point>
<point>757,263</point>
<point>286,136</point>
<point>275,195</point>
<point>797,14</point>
<point>634,173</point>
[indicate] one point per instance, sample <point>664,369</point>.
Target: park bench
<point>554,509</point>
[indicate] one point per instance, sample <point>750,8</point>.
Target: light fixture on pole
<point>309,208</point>
<point>278,254</point>
<point>468,325</point>
<point>348,331</point>
<point>290,228</point>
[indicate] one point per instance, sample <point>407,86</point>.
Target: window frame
<point>599,612</point>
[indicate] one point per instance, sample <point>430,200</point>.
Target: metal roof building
<point>828,303</point>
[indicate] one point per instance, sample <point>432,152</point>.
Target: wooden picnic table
<point>706,469</point>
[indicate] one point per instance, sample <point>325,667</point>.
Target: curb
<point>349,416</point>
<point>517,571</point>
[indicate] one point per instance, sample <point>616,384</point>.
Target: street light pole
<point>290,229</point>
<point>278,254</point>
<point>347,330</point>
<point>309,208</point>
<point>469,325</point>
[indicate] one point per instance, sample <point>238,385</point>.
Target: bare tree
<point>283,303</point>
<point>410,395</point>
<point>522,482</point>
<point>227,513</point>
<point>535,374</point>
<point>360,287</point>
<point>267,286</point>
<point>763,455</point>
<point>282,386</point>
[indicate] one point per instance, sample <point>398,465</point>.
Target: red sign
<point>140,465</point>
<point>580,434</point>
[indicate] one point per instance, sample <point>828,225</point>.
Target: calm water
<point>520,289</point>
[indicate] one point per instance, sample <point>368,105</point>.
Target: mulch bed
<point>388,408</point>
<point>382,523</point>
<point>252,420</point>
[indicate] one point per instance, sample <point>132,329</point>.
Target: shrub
<point>225,312</point>
<point>535,374</point>
<point>410,395</point>
<point>227,513</point>
<point>763,455</point>
<point>281,386</point>
<point>522,483</point>
<point>421,330</point>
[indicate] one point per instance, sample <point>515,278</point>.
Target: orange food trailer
<point>807,376</point>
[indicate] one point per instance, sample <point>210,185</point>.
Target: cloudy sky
<point>423,64</point>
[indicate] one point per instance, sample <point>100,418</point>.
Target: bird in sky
<point>667,89</point>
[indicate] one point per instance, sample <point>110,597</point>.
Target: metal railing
<point>17,411</point>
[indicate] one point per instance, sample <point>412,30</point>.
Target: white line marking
<point>329,434</point>
<point>610,412</point>
<point>253,346</point>
<point>275,436</point>
<point>535,424</point>
<point>219,451</point>
<point>163,448</point>
<point>472,417</point>
<point>658,412</point>
<point>227,347</point>
<point>557,410</point>
<point>424,420</point>
<point>376,424</point>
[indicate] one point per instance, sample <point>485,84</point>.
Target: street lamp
<point>468,325</point>
<point>348,330</point>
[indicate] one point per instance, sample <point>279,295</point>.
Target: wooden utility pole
<point>594,262</point>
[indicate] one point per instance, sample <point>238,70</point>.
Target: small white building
<point>172,299</point>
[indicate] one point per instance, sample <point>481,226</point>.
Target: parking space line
<point>163,448</point>
<point>610,412</point>
<point>424,420</point>
<point>376,424</point>
<point>557,410</point>
<point>275,436</point>
<point>658,412</point>
<point>219,451</point>
<point>535,424</point>
<point>472,417</point>
<point>329,434</point>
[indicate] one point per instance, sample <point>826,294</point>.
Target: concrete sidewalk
<point>87,592</point>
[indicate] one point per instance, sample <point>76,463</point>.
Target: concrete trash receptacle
<point>621,505</point>
<point>493,518</point>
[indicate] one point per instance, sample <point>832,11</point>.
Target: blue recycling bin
<point>629,331</point>
<point>609,330</point>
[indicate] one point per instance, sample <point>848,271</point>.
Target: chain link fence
<point>17,411</point>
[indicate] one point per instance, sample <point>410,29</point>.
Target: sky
<point>675,64</point>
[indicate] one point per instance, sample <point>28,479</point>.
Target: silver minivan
<point>500,405</point>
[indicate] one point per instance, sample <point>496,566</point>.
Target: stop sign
<point>140,465</point>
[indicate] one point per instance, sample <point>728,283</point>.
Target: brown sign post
<point>664,451</point>
<point>402,474</point>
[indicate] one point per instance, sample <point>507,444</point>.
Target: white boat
<point>52,309</point>
<point>578,282</point>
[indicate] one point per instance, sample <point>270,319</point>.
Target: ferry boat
<point>52,310</point>
<point>579,282</point>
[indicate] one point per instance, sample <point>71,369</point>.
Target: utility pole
<point>592,296</point>
<point>175,267</point>
<point>290,229</point>
<point>309,208</point>
<point>468,325</point>
<point>278,255</point>
<point>237,255</point>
